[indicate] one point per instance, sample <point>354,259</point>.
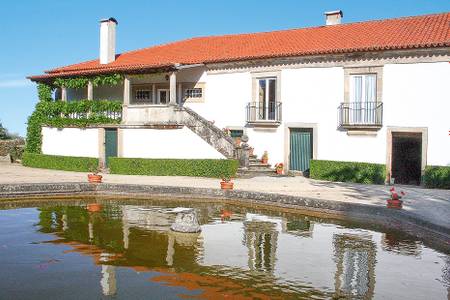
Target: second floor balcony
<point>360,115</point>
<point>264,114</point>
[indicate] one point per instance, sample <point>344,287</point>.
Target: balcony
<point>259,114</point>
<point>360,115</point>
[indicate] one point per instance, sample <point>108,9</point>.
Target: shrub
<point>437,177</point>
<point>174,167</point>
<point>67,163</point>
<point>348,171</point>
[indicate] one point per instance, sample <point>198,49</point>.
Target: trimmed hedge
<point>437,177</point>
<point>174,167</point>
<point>348,171</point>
<point>67,163</point>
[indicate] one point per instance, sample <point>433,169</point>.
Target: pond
<point>67,249</point>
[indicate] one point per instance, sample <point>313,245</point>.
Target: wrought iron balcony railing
<point>360,115</point>
<point>258,113</point>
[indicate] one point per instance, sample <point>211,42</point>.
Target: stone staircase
<point>210,133</point>
<point>223,143</point>
<point>255,169</point>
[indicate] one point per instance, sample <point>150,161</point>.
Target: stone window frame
<point>262,75</point>
<point>142,87</point>
<point>193,85</point>
<point>349,71</point>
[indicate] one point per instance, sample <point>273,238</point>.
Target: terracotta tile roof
<point>392,34</point>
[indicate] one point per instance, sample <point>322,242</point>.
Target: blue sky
<point>39,35</point>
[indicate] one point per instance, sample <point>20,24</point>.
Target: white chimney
<point>108,40</point>
<point>333,17</point>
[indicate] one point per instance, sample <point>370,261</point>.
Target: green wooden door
<point>110,144</point>
<point>301,149</point>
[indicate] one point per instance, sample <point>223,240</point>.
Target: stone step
<point>249,173</point>
<point>258,165</point>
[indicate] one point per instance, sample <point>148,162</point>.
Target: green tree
<point>3,133</point>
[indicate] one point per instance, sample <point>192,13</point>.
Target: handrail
<point>360,114</point>
<point>260,112</point>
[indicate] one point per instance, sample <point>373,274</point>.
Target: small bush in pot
<point>265,157</point>
<point>226,183</point>
<point>94,176</point>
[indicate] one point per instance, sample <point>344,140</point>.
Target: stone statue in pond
<point>186,221</point>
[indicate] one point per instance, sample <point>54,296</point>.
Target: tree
<point>3,133</point>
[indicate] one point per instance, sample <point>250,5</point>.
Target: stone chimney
<point>108,40</point>
<point>333,17</point>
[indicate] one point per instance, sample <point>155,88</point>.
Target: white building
<point>376,91</point>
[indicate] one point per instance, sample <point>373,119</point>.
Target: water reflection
<point>355,265</point>
<point>240,252</point>
<point>402,245</point>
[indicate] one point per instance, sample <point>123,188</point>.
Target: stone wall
<point>11,147</point>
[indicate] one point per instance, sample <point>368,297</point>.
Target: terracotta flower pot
<point>94,207</point>
<point>279,171</point>
<point>226,185</point>
<point>396,203</point>
<point>95,178</point>
<point>264,160</point>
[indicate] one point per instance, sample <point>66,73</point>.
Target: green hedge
<point>348,171</point>
<point>174,167</point>
<point>437,177</point>
<point>67,163</point>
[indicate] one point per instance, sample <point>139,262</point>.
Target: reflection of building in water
<point>355,258</point>
<point>261,238</point>
<point>394,243</point>
<point>300,227</point>
<point>108,281</point>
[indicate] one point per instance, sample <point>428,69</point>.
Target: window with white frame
<point>363,88</point>
<point>193,93</point>
<point>143,95</point>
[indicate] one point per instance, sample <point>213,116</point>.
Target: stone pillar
<point>173,88</point>
<point>155,99</point>
<point>91,231</point>
<point>90,91</point>
<point>180,96</point>
<point>243,152</point>
<point>126,98</point>
<point>108,281</point>
<point>126,235</point>
<point>64,94</point>
<point>170,250</point>
<point>64,222</point>
<point>126,91</point>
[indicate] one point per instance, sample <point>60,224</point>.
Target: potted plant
<point>279,168</point>
<point>265,157</point>
<point>250,151</point>
<point>395,200</point>
<point>94,177</point>
<point>94,207</point>
<point>226,183</point>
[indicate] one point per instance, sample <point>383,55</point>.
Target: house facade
<point>375,92</point>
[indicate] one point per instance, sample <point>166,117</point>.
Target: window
<point>363,88</point>
<point>236,133</point>
<point>143,95</point>
<point>266,101</point>
<point>193,93</point>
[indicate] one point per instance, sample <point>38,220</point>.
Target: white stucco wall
<point>70,142</point>
<point>168,143</point>
<point>414,95</point>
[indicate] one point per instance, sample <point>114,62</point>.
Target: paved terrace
<point>429,204</point>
